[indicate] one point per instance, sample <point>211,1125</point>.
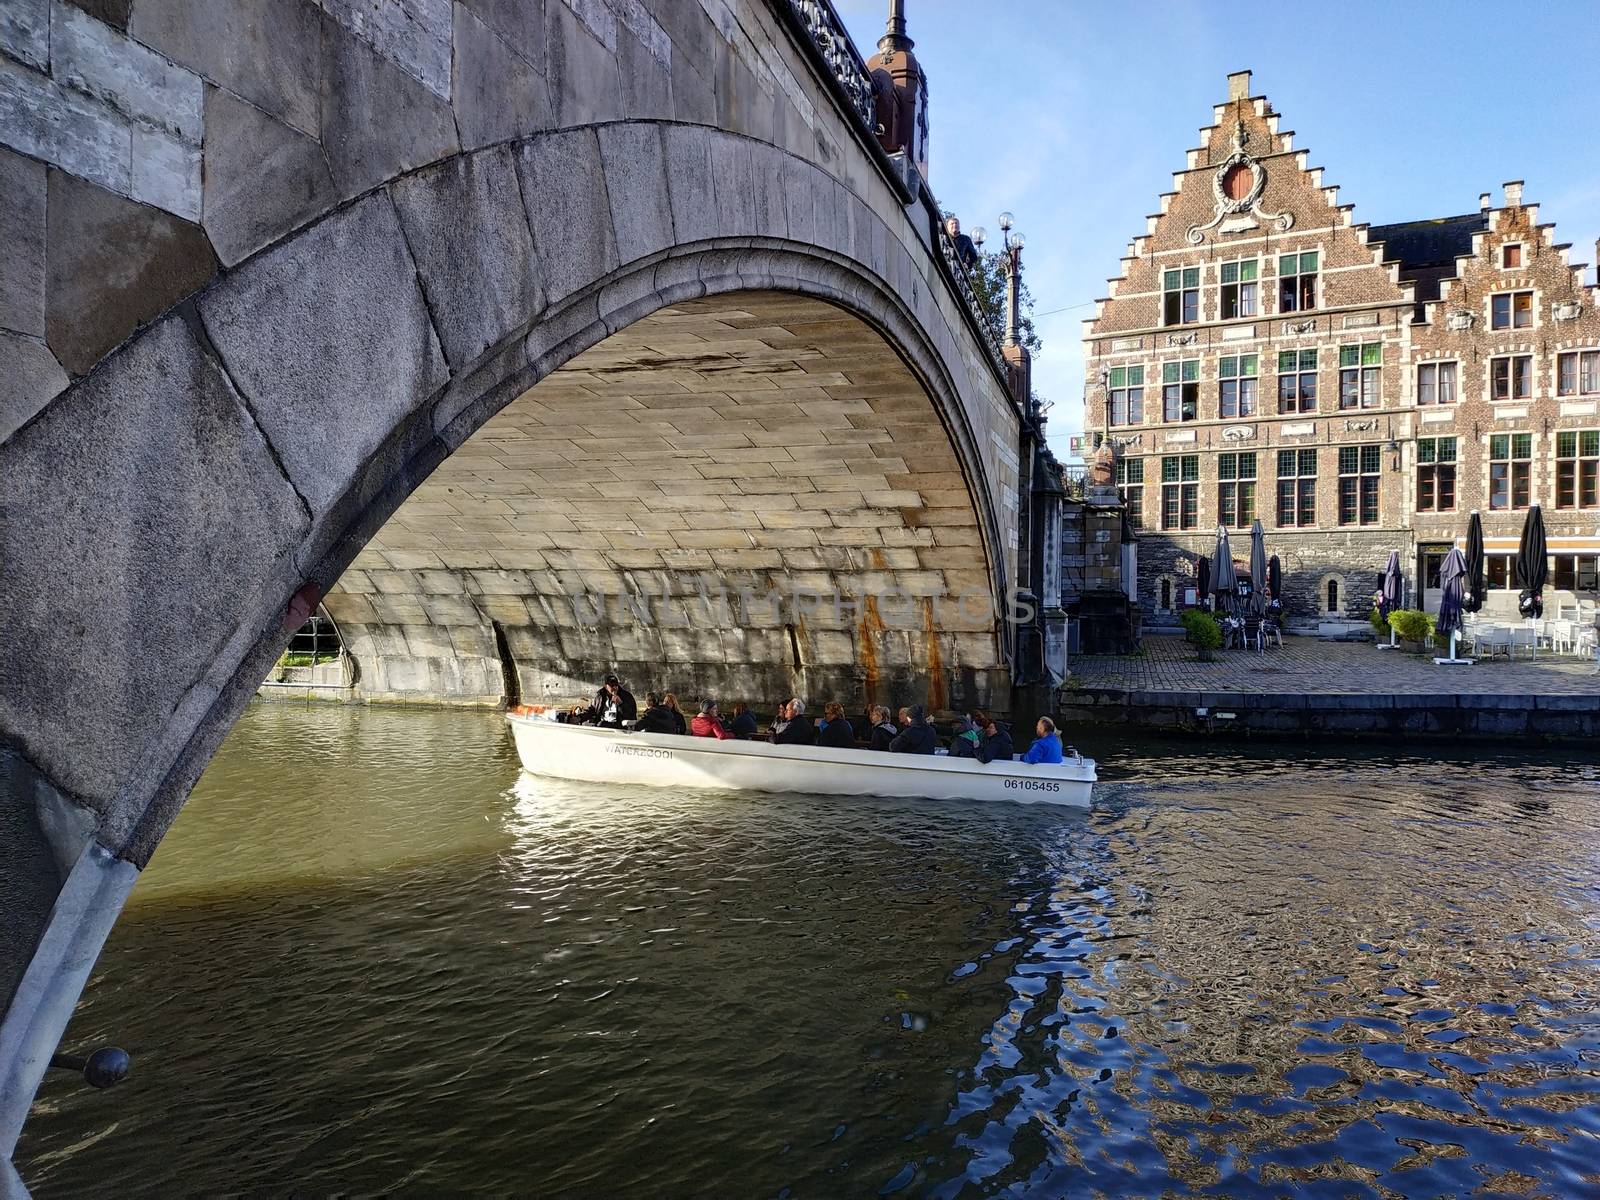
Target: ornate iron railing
<point>828,35</point>
<point>838,54</point>
<point>1074,480</point>
<point>963,285</point>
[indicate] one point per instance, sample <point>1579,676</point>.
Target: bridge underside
<point>683,503</point>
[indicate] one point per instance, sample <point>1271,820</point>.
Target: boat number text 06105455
<point>1034,785</point>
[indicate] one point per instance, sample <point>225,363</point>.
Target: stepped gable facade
<point>1360,389</point>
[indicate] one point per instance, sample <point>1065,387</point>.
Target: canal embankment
<point>1309,688</point>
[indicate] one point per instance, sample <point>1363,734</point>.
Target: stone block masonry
<point>715,466</point>
<point>1312,689</point>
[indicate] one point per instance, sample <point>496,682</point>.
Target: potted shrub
<point>1202,631</point>
<point>1411,626</point>
<point>1379,622</point>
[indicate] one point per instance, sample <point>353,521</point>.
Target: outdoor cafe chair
<point>1563,636</point>
<point>1496,639</point>
<point>1524,636</point>
<point>1251,635</point>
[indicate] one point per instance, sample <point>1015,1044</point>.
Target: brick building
<point>1359,388</point>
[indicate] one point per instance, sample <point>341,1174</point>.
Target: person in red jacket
<point>708,723</point>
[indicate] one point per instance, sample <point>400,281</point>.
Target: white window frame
<point>1511,397</point>
<point>1555,371</point>
<point>1533,311</point>
<point>1436,363</point>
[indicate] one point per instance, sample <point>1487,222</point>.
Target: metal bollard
<point>106,1067</point>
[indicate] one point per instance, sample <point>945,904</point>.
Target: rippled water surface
<point>370,957</point>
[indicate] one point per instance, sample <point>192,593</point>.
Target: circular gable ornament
<point>1237,185</point>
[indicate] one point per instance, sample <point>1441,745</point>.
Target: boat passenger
<point>1047,746</point>
<point>918,736</point>
<point>679,721</point>
<point>996,743</point>
<point>965,742</point>
<point>744,725</point>
<point>883,730</point>
<point>796,729</point>
<point>657,717</point>
<point>708,723</point>
<point>613,704</point>
<point>835,729</point>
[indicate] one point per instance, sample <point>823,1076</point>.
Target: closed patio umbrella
<point>1391,593</point>
<point>1452,583</point>
<point>1222,568</point>
<point>1532,565</point>
<point>1275,578</point>
<point>1202,578</point>
<point>1258,569</point>
<point>1393,588</point>
<point>1472,597</point>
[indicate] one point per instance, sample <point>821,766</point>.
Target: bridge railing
<point>845,72</point>
<point>1074,479</point>
<point>838,53</point>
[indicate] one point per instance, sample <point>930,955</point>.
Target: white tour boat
<point>550,747</point>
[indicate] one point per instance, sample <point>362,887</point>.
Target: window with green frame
<point>1180,292</point>
<point>1125,402</point>
<point>1297,487</point>
<point>1130,486</point>
<point>1236,385</point>
<point>1578,468</point>
<point>1297,381</point>
<point>1297,281</point>
<point>1360,375</point>
<point>1239,284</point>
<point>1436,474</point>
<point>1359,468</point>
<point>1510,471</point>
<point>1236,488</point>
<point>1180,491</point>
<point>1180,390</point>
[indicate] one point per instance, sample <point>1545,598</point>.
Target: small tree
<point>1379,623</point>
<point>1412,625</point>
<point>1203,631</point>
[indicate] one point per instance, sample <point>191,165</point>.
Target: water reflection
<point>371,957</point>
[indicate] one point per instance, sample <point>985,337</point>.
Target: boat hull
<point>593,755</point>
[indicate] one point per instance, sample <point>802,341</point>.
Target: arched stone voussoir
<point>144,519</point>
<point>468,232</point>
<point>329,338</point>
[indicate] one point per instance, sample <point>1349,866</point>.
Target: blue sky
<point>1073,115</point>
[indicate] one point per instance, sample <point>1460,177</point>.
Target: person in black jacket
<point>744,725</point>
<point>680,723</point>
<point>836,730</point>
<point>796,728</point>
<point>883,729</point>
<point>657,717</point>
<point>996,743</point>
<point>613,704</point>
<point>918,737</point>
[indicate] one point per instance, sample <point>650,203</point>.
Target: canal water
<point>370,957</point>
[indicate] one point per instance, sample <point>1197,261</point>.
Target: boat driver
<point>612,707</point>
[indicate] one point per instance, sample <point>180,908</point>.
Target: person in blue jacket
<point>1047,746</point>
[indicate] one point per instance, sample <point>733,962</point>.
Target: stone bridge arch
<point>748,495</point>
<point>204,439</point>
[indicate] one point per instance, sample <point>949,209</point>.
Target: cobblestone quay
<point>1311,687</point>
